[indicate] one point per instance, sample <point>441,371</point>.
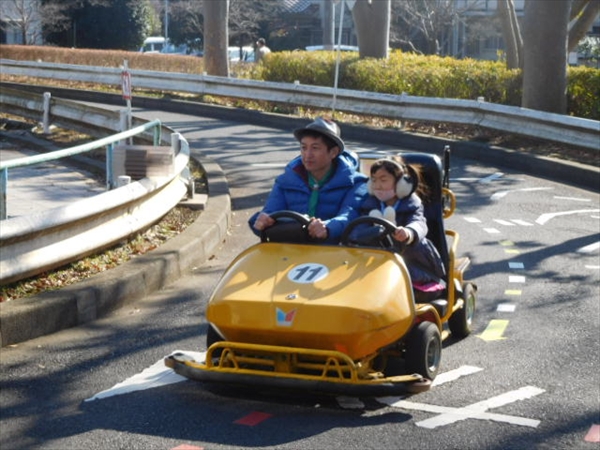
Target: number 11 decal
<point>308,273</point>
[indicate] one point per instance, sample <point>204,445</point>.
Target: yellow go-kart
<point>338,319</point>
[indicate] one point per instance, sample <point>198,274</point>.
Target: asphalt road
<point>526,378</point>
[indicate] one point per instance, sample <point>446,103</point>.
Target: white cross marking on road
<point>448,415</point>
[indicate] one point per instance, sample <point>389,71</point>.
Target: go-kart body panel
<point>319,297</point>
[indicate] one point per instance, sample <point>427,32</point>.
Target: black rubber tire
<point>213,336</point>
<point>424,350</point>
<point>461,322</point>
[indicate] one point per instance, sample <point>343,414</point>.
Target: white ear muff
<point>404,187</point>
<point>369,186</point>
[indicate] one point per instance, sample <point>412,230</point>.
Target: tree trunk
<point>511,33</point>
<point>585,16</point>
<point>328,24</point>
<point>216,37</point>
<point>372,20</point>
<point>545,29</point>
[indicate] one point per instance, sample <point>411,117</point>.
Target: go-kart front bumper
<point>322,371</point>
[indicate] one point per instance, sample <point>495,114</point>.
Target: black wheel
<point>424,350</point>
<point>213,336</point>
<point>460,323</point>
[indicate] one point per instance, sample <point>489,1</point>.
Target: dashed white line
<point>516,279</point>
<point>472,220</point>
<point>506,307</point>
<point>504,222</point>
<point>589,248</point>
<point>522,222</point>
<point>516,265</point>
<point>491,230</point>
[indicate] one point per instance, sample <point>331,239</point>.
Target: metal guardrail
<point>531,123</point>
<point>51,238</point>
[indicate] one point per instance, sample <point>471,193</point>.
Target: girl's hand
<point>401,234</point>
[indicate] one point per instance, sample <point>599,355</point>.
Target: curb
<point>93,298</point>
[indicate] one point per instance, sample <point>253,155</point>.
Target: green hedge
<point>427,76</point>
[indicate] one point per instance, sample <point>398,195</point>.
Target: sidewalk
<point>44,186</point>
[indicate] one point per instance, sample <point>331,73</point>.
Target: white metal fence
<point>531,123</point>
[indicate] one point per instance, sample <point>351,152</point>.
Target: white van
<point>153,44</point>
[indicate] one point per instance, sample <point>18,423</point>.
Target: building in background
<point>20,22</point>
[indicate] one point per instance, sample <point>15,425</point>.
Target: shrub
<point>427,76</point>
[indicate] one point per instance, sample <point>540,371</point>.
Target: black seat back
<point>432,173</point>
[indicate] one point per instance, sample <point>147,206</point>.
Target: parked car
<point>153,44</point>
<point>246,54</point>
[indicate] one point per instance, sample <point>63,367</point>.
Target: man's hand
<point>263,221</point>
<point>317,229</point>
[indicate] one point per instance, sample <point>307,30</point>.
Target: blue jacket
<point>339,198</point>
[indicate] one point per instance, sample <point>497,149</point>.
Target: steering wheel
<point>294,230</point>
<point>387,236</point>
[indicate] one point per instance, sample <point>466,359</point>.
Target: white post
<point>46,116</point>
<point>123,118</point>
<point>337,62</point>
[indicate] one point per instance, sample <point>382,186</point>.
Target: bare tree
<point>328,24</point>
<point>24,16</point>
<point>545,56</point>
<point>216,37</point>
<point>424,26</point>
<point>550,30</point>
<point>372,20</point>
<point>512,33</point>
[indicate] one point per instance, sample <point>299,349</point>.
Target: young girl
<point>394,188</point>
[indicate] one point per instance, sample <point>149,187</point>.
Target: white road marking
<point>592,267</point>
<point>516,279</point>
<point>506,307</point>
<point>544,218</point>
<point>504,222</point>
<point>455,374</point>
<point>154,376</point>
<point>478,410</point>
<point>472,220</point>
<point>589,248</point>
<point>516,265</point>
<point>502,194</point>
<point>573,199</point>
<point>491,177</point>
<point>522,222</point>
<point>491,230</point>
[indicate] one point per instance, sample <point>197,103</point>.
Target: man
<point>323,183</point>
<point>261,49</point>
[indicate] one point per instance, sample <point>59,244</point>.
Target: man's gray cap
<point>325,127</point>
